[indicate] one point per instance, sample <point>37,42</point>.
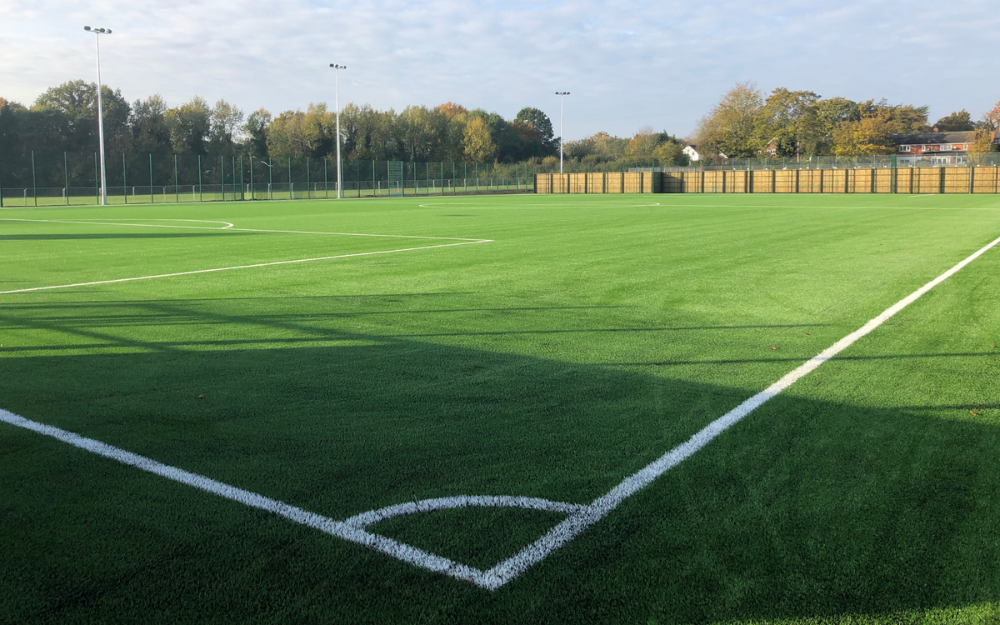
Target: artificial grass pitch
<point>560,345</point>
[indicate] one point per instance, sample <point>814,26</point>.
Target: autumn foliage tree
<point>869,136</point>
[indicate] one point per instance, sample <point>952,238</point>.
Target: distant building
<point>692,153</point>
<point>940,148</point>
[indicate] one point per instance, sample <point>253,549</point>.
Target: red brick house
<point>941,148</point>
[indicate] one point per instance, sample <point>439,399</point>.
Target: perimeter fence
<point>938,160</point>
<point>52,179</point>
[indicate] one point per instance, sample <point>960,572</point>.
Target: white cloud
<point>627,64</point>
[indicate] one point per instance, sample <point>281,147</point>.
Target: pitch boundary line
<point>254,266</point>
<point>579,517</point>
<point>231,227</point>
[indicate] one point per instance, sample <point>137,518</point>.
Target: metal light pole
<point>100,111</point>
<point>270,179</point>
<point>561,95</point>
<point>336,103</point>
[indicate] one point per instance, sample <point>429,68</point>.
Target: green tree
<point>955,122</point>
<point>76,101</point>
<point>150,133</point>
<point>255,131</point>
<point>868,136</point>
<point>540,123</point>
<point>189,125</point>
<point>793,122</point>
<point>225,125</point>
<point>478,144</point>
<point>736,126</point>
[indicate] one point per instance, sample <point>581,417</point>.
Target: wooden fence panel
<point>917,181</point>
<point>633,182</point>
<point>926,180</point>
<point>882,182</point>
<point>784,181</point>
<point>595,183</point>
<point>986,180</point>
<point>615,182</point>
<point>956,180</point>
<point>715,182</point>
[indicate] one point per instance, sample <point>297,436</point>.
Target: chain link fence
<point>987,159</point>
<point>46,178</point>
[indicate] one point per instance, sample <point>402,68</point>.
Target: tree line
<point>64,118</point>
<point>746,123</point>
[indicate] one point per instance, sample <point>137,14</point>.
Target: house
<point>940,148</point>
<point>691,151</point>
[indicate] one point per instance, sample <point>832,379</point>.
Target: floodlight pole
<point>336,103</point>
<point>561,95</point>
<point>100,111</point>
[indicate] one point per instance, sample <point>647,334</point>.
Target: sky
<point>626,64</point>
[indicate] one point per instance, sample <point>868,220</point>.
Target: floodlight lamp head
<point>86,28</point>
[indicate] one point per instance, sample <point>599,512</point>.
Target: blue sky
<point>627,64</point>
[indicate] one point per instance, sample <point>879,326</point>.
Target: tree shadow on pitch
<point>807,509</point>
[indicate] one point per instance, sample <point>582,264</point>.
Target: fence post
<point>242,179</point>
<point>972,179</point>
<point>291,195</point>
<point>34,188</point>
<point>151,176</point>
<point>177,191</point>
<point>65,173</point>
<point>97,178</point>
<point>308,189</point>
<point>125,180</point>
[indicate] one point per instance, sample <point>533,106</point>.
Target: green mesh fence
<point>48,178</point>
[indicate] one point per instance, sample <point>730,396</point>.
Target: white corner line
<point>348,532</point>
<point>579,517</point>
<point>271,264</point>
<point>580,521</point>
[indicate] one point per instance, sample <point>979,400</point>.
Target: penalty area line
<point>254,266</point>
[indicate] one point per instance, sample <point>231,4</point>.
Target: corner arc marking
<point>373,517</point>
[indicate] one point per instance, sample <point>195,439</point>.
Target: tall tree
<point>255,131</point>
<point>189,125</point>
<point>225,125</point>
<point>149,127</point>
<point>735,126</point>
<point>955,122</point>
<point>793,122</point>
<point>540,122</point>
<point>868,136</point>
<point>478,144</point>
<point>991,120</point>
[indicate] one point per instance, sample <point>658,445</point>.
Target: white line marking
<point>352,533</point>
<point>580,517</point>
<point>578,522</point>
<point>230,226</point>
<point>462,501</point>
<point>271,264</point>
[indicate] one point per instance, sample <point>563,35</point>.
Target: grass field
<point>516,346</point>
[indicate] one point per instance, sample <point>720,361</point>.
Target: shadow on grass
<point>808,509</point>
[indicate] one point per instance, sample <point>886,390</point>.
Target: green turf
<point>591,335</point>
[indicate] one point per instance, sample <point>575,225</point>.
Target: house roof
<point>930,138</point>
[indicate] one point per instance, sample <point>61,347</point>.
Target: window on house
<point>904,148</point>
